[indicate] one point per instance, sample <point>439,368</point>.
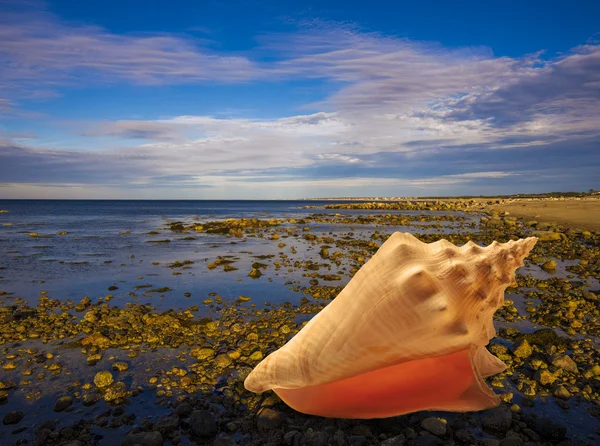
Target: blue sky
<point>282,99</point>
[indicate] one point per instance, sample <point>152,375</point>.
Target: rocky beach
<point>139,328</point>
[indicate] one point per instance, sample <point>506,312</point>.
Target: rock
<point>165,425</point>
<point>315,438</point>
<point>224,441</point>
<point>565,362</point>
<point>203,423</point>
<point>545,337</point>
<point>429,440</point>
<point>489,442</point>
<point>143,438</point>
<point>289,437</point>
<point>223,360</point>
<point>269,419</point>
<point>96,340</point>
<point>357,440</point>
<point>202,353</point>
<point>463,435</point>
<point>562,392</point>
<point>398,440</point>
<point>437,426</point>
<point>498,419</point>
<point>12,417</point>
<point>115,392</point>
<point>592,372</point>
<point>545,377</point>
<point>183,410</point>
<point>255,273</point>
<point>512,441</point>
<point>549,266</point>
<point>103,379</point>
<point>120,366</point>
<point>63,403</point>
<point>91,398</point>
<point>522,349</point>
<point>548,236</point>
<point>547,428</point>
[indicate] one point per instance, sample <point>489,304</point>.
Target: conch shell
<point>407,333</point>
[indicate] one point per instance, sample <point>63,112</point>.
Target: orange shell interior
<point>446,382</point>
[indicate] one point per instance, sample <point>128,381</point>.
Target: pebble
<point>203,423</point>
<point>183,410</point>
<point>437,426</point>
<point>224,441</point>
<point>357,440</point>
<point>143,438</point>
<point>120,366</point>
<point>269,419</point>
<point>103,379</point>
<point>547,428</point>
<point>12,417</point>
<point>498,419</point>
<point>398,440</point>
<point>512,441</point>
<point>63,403</point>
<point>565,362</point>
<point>522,349</point>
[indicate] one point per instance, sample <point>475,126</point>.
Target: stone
<point>498,419</point>
<point>202,353</point>
<point>12,417</point>
<point>429,440</point>
<point>166,424</point>
<point>547,428</point>
<point>315,438</point>
<point>549,266</point>
<point>63,403</point>
<point>545,377</point>
<point>566,363</point>
<point>562,392</point>
<point>357,440</point>
<point>224,441</point>
<point>103,379</point>
<point>398,440</point>
<point>222,360</point>
<point>120,366</point>
<point>548,236</point>
<point>115,392</point>
<point>436,426</point>
<point>143,438</point>
<point>202,423</point>
<point>489,442</point>
<point>512,441</point>
<point>592,372</point>
<point>269,419</point>
<point>289,437</point>
<point>183,410</point>
<point>522,349</point>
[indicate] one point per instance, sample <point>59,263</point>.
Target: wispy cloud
<point>41,52</point>
<point>400,113</point>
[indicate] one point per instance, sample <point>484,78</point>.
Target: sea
<point>81,248</point>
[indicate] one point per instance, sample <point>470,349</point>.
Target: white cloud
<point>418,101</point>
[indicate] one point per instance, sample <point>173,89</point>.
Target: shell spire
<point>407,333</point>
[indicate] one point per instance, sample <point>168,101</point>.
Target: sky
<point>280,99</point>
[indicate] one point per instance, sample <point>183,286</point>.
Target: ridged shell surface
<point>411,300</point>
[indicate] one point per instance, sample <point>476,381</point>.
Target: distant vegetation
<point>543,195</point>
